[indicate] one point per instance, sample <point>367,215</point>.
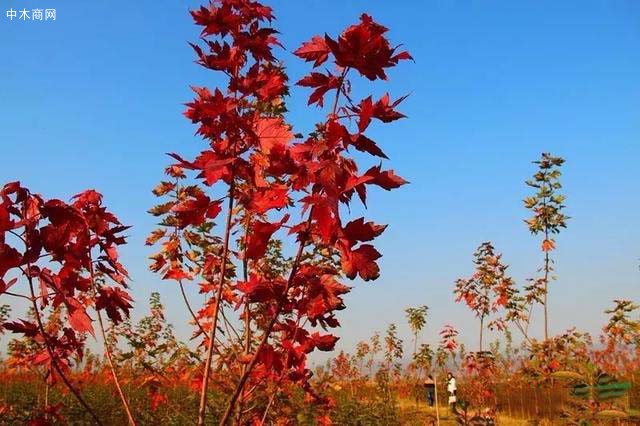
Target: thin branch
<point>8,293</point>
<point>109,355</point>
<point>269,329</point>
<point>211,342</point>
<point>54,360</point>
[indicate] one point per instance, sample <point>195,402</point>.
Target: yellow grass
<point>446,417</point>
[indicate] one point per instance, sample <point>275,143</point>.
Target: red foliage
<point>251,151</point>
<point>60,250</point>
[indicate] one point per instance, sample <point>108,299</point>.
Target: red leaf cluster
<point>65,253</point>
<point>363,47</point>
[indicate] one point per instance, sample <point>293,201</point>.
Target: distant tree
<point>417,319</point>
<point>547,206</point>
<point>620,351</point>
<point>622,326</point>
<point>488,289</point>
<point>153,351</point>
<point>392,348</point>
<point>362,350</point>
<point>376,347</point>
<point>447,345</point>
<point>423,357</point>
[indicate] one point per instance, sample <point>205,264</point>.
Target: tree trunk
<point>435,391</point>
<point>481,330</point>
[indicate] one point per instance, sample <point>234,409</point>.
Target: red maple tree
<point>256,170</point>
<point>66,254</point>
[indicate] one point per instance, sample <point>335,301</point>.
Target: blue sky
<point>94,100</point>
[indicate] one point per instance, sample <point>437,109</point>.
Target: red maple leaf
<point>365,48</point>
<point>315,50</point>
<point>359,230</point>
<point>177,274</point>
<point>384,179</point>
<point>194,211</point>
<point>274,197</point>
<point>80,321</point>
<point>360,261</point>
<point>9,258</point>
<point>548,245</point>
<point>324,342</point>
<point>27,328</point>
<point>114,301</point>
<point>272,133</point>
<point>259,237</point>
<point>258,289</point>
<point>364,144</point>
<point>322,84</point>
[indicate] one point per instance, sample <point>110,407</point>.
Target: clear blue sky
<point>94,100</point>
